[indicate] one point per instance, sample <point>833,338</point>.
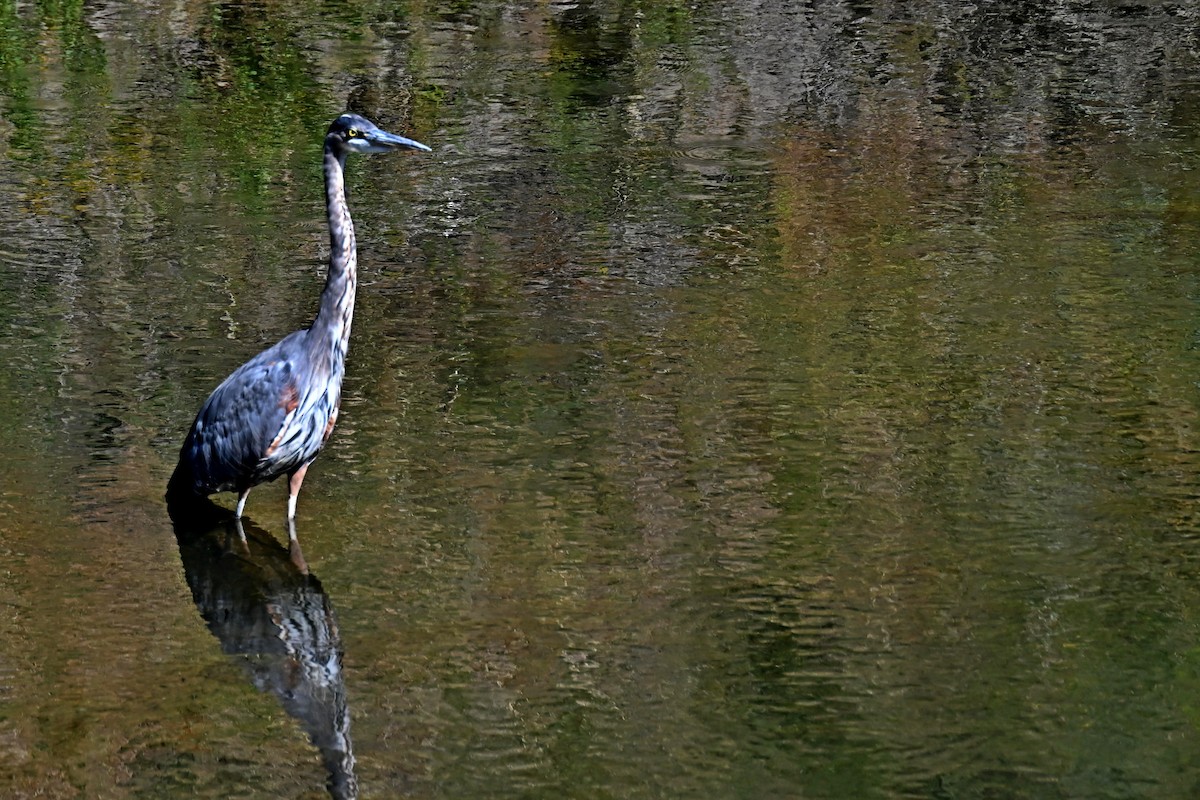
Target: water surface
<point>745,400</point>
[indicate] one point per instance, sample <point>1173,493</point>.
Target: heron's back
<point>268,418</point>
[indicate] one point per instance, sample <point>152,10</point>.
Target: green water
<point>746,400</point>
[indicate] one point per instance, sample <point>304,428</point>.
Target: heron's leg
<point>241,532</point>
<point>294,551</point>
<point>294,481</point>
<point>241,503</point>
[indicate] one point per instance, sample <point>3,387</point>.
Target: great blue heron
<point>274,413</point>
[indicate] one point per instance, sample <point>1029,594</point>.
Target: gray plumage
<point>274,413</point>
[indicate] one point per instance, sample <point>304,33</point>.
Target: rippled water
<point>745,400</point>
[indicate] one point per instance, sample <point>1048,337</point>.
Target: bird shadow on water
<point>270,613</point>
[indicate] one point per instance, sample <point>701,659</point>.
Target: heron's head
<point>351,133</point>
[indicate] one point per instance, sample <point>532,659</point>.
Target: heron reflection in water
<point>271,614</point>
<point>273,414</point>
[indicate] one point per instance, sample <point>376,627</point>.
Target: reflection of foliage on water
<point>23,35</point>
<point>590,54</point>
<point>252,72</point>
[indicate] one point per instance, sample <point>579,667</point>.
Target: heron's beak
<point>382,141</point>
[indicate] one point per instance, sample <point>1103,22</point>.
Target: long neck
<point>329,335</point>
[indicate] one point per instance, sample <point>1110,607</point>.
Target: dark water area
<point>745,399</point>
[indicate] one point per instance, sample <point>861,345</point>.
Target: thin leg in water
<point>243,545</point>
<point>241,503</point>
<point>294,551</point>
<point>294,481</point>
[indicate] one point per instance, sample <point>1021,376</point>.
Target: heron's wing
<point>249,411</point>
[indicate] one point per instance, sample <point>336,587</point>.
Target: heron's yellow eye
<point>352,133</point>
